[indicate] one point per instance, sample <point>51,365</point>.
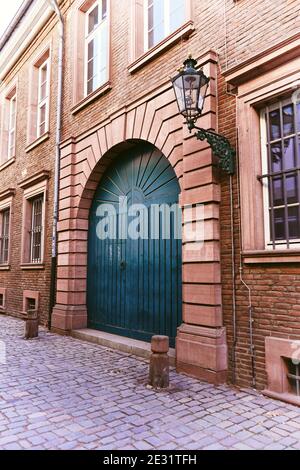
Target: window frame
<point>139,56</point>
<point>267,77</point>
<point>43,101</point>
<point>34,187</point>
<point>269,243</point>
<point>3,292</point>
<point>32,245</point>
<point>88,37</point>
<point>12,126</point>
<point>167,23</point>
<point>34,137</point>
<point>79,97</point>
<point>3,225</point>
<point>6,204</point>
<point>9,94</point>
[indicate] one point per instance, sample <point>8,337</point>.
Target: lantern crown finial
<point>190,63</point>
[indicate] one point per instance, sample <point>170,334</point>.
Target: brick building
<point>28,69</point>
<point>235,298</point>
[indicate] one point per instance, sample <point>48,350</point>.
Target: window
<point>96,63</point>
<point>293,375</point>
<point>8,127</point>
<point>281,174</point>
<point>91,52</point>
<point>155,26</point>
<point>3,295</point>
<point>12,126</point>
<point>36,230</point>
<point>31,304</point>
<point>39,98</point>
<point>31,299</point>
<point>34,216</point>
<point>162,17</point>
<point>43,99</point>
<point>4,236</point>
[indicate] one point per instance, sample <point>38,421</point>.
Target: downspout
<point>250,305</point>
<point>55,7</point>
<point>233,282</point>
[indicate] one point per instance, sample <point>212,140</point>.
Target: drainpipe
<point>251,320</point>
<point>55,7</point>
<point>250,306</point>
<point>233,283</point>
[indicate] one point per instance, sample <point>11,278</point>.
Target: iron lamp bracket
<point>220,146</point>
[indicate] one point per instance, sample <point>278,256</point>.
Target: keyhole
<point>122,265</point>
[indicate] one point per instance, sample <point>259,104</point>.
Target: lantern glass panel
<point>179,92</point>
<point>202,94</point>
<point>191,89</point>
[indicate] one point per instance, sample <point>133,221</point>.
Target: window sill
<point>274,256</point>
<point>7,163</point>
<point>29,266</point>
<point>2,309</point>
<point>285,396</point>
<point>91,97</point>
<point>169,41</point>
<point>4,267</point>
<point>37,142</point>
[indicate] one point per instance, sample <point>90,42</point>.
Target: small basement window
<point>1,300</point>
<point>31,304</point>
<point>293,375</point>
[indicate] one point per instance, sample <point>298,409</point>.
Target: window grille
<point>293,375</point>
<point>282,179</point>
<point>36,230</point>
<point>4,238</point>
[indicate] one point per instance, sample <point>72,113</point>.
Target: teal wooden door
<point>134,264</point>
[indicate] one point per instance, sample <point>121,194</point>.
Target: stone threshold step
<point>120,343</point>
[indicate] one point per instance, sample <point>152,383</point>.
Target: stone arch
<point>83,161</point>
<point>201,341</point>
<point>156,122</point>
<point>87,193</point>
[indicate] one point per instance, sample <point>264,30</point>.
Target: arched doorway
<point>134,258</point>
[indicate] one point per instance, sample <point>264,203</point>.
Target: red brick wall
<point>255,25</point>
<point>40,158</point>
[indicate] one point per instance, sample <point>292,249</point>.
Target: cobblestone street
<point>61,393</point>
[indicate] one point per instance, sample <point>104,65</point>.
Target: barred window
<point>36,231</point>
<point>4,238</point>
<point>293,375</point>
<point>281,174</point>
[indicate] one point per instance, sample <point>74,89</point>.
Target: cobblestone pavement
<point>62,393</point>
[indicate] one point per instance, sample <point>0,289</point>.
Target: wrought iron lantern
<point>190,87</point>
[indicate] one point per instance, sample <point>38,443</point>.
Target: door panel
<point>134,285</point>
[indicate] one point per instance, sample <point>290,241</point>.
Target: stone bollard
<point>159,362</point>
<point>31,325</point>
